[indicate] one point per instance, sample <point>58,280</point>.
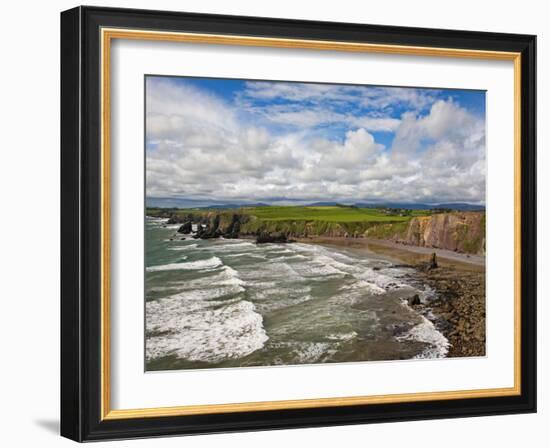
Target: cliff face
<point>456,231</point>
<point>459,231</point>
<point>303,229</point>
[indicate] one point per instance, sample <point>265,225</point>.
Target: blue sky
<point>231,91</point>
<point>239,140</point>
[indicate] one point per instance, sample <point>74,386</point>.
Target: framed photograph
<point>274,223</point>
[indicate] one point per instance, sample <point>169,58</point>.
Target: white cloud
<point>300,117</point>
<point>357,151</point>
<point>200,146</point>
<point>366,96</point>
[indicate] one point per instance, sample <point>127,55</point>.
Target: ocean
<point>233,303</point>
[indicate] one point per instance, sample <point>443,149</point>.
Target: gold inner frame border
<point>107,36</point>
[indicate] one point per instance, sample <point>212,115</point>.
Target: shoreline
<point>395,249</point>
<point>458,310</point>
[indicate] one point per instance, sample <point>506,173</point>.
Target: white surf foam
<point>273,271</point>
<point>290,257</point>
<point>371,287</point>
<point>336,263</point>
<point>246,254</point>
<point>209,263</point>
<point>348,298</point>
<point>276,250</point>
<point>230,276</point>
<point>426,332</point>
<point>274,298</point>
<point>341,336</point>
<point>317,269</point>
<point>199,331</point>
<point>313,351</point>
<point>380,279</point>
<point>168,267</point>
<point>155,220</point>
<point>227,276</point>
<point>321,250</point>
<point>186,247</point>
<point>307,247</point>
<point>238,244</point>
<point>230,246</point>
<point>328,260</point>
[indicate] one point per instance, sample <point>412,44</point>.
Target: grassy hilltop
<point>296,221</point>
<point>324,220</point>
<point>329,213</point>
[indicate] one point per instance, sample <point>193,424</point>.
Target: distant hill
<point>218,205</point>
<point>229,206</point>
<point>197,203</point>
<point>323,204</point>
<point>462,206</point>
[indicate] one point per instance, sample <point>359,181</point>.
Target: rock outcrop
<point>272,238</point>
<point>460,232</point>
<point>234,228</point>
<point>457,231</point>
<point>186,227</point>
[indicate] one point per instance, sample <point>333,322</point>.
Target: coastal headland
<point>454,240</point>
<point>454,231</point>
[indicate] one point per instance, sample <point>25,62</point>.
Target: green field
<point>299,221</point>
<point>328,213</point>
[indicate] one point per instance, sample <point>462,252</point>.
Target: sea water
<point>234,303</point>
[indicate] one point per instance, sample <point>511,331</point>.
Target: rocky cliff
<point>458,231</point>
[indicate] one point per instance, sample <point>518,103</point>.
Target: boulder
<point>174,219</point>
<point>414,300</point>
<point>187,227</point>
<point>211,234</point>
<point>432,264</point>
<point>199,233</point>
<point>207,233</point>
<point>276,237</point>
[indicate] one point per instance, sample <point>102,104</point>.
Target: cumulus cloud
<point>309,142</point>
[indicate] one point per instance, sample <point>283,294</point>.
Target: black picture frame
<point>81,224</point>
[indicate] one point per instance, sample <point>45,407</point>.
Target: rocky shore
<point>458,309</point>
<point>208,227</point>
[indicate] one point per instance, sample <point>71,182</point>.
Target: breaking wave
<point>426,332</point>
<point>198,329</point>
<point>247,299</point>
<point>209,263</point>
